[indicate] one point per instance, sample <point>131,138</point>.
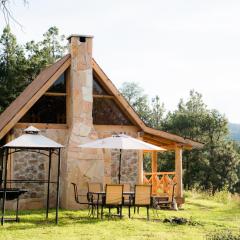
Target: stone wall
<point>129,167</point>
<point>130,158</point>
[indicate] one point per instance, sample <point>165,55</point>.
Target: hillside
<point>234,129</point>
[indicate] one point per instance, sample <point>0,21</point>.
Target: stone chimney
<point>80,165</point>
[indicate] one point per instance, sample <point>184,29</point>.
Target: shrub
<point>223,235</point>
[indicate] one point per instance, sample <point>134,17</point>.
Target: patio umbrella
<point>121,142</point>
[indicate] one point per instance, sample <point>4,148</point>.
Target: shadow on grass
<point>36,219</point>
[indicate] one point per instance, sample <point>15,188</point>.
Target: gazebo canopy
<point>33,139</point>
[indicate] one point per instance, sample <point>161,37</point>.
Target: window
<point>105,109</point>
<point>97,88</point>
<point>51,107</point>
<point>106,112</point>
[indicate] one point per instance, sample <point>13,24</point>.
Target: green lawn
<point>206,215</point>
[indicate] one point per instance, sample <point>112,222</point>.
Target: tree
<point>12,68</point>
<point>137,99</point>
<point>43,53</point>
<point>19,65</point>
<point>157,114</point>
<point>216,164</point>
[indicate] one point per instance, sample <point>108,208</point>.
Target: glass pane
<point>106,112</point>
<point>1,166</point>
<point>97,88</point>
<point>48,109</point>
<point>59,85</point>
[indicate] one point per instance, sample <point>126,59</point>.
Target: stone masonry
<point>129,167</point>
<point>82,165</point>
<point>34,166</point>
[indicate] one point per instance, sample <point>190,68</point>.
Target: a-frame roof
<point>47,77</point>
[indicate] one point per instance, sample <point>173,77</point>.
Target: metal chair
<point>93,189</point>
<point>166,201</point>
<point>113,199</point>
<point>87,200</point>
<point>142,197</point>
<point>127,199</point>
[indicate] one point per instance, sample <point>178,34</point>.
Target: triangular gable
<point>31,94</point>
<point>124,105</point>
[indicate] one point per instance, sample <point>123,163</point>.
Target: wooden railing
<point>161,182</point>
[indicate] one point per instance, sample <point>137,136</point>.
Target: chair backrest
<point>94,187</point>
<point>114,194</point>
<point>143,194</point>
<point>126,187</point>
<point>75,191</point>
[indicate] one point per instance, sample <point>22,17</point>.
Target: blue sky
<point>168,47</point>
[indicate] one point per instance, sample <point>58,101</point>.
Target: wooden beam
<point>160,173</point>
<point>103,96</point>
<point>170,147</point>
<point>158,139</point>
<point>162,142</point>
<point>111,129</point>
<point>54,94</point>
<point>41,125</point>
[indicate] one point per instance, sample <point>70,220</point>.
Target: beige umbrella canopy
<point>121,142</point>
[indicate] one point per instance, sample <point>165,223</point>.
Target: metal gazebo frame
<point>46,151</point>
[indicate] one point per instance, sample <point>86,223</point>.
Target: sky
<point>168,47</point>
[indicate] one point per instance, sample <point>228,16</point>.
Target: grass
<point>207,215</point>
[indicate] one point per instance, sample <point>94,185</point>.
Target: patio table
<point>11,194</point>
<point>102,194</point>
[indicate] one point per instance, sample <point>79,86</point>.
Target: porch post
<point>154,170</point>
<point>178,170</point>
<point>154,161</point>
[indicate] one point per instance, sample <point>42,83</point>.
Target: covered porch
<point>164,182</point>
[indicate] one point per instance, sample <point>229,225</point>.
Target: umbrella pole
<point>120,163</point>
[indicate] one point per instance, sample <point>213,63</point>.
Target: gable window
<point>51,107</point>
<point>105,109</point>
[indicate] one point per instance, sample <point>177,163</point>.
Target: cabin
<point>73,102</point>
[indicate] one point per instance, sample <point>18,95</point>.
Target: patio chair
<point>127,199</point>
<point>142,197</point>
<point>165,200</point>
<point>93,189</point>
<point>126,187</point>
<point>83,199</point>
<point>113,199</point>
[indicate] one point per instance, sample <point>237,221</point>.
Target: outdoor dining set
<point>118,196</point>
<point>96,197</point>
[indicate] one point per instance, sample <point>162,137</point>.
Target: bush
<point>223,196</point>
<point>223,235</point>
